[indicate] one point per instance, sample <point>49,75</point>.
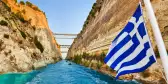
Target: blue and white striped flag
<point>131,51</point>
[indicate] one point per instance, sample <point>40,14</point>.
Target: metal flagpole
<point>158,36</point>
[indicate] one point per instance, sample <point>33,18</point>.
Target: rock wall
<point>25,43</point>
<point>106,19</point>
<point>31,13</point>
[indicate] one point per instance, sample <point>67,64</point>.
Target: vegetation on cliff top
<point>18,14</point>
<point>29,4</point>
<point>95,8</point>
<point>32,6</point>
<point>22,2</point>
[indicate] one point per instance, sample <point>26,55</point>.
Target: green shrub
<point>22,19</point>
<point>85,24</point>
<point>22,2</point>
<point>38,44</point>
<point>36,8</point>
<point>93,13</point>
<point>94,5</point>
<point>77,59</point>
<point>8,8</point>
<point>99,65</point>
<point>44,13</point>
<point>102,56</point>
<point>3,23</point>
<point>86,64</point>
<point>23,34</point>
<point>85,55</point>
<point>29,4</point>
<point>18,14</point>
<point>15,1</point>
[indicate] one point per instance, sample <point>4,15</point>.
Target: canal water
<point>61,73</point>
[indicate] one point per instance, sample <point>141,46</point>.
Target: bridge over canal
<point>68,38</point>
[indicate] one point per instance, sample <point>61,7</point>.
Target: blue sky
<point>65,16</point>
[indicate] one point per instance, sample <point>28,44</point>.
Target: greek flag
<point>131,51</point>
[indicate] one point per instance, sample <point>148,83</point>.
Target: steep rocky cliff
<point>106,19</point>
<point>26,42</point>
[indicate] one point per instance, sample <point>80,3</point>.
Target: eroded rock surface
<point>25,43</point>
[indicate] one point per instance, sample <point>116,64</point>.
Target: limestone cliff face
<point>26,42</point>
<point>31,13</point>
<point>106,19</point>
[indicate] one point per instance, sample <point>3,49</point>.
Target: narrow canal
<point>63,72</point>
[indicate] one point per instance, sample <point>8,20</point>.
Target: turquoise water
<point>61,73</point>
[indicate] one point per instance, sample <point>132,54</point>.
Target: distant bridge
<point>65,46</point>
<point>67,36</point>
<point>64,51</point>
<point>64,36</point>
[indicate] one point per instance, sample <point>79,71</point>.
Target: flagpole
<point>158,36</point>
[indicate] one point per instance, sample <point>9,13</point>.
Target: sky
<point>65,16</point>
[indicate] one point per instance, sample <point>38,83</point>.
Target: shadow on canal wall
<point>104,22</point>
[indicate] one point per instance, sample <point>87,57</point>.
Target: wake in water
<point>61,73</point>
